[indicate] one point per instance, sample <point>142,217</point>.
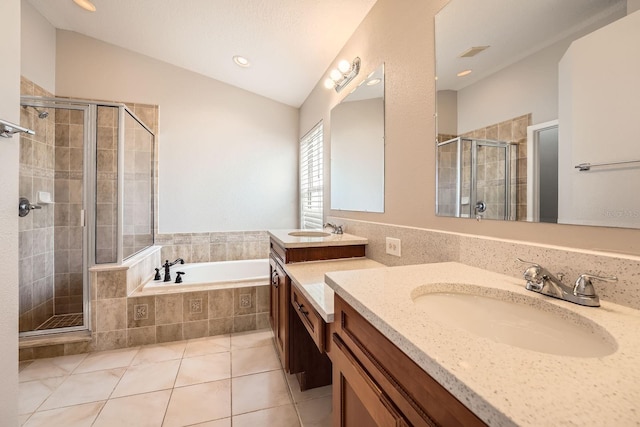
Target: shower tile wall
<point>447,176</point>
<point>489,166</point>
<point>37,167</point>
<point>107,179</point>
<point>69,166</point>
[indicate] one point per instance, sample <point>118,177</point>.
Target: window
<point>311,183</point>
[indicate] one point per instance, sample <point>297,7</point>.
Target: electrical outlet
<point>393,246</point>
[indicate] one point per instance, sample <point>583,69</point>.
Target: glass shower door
<point>52,243</point>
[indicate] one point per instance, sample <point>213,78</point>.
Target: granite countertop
<point>309,278</point>
<point>283,238</point>
<point>502,384</point>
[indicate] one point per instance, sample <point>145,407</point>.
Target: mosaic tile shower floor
<point>215,382</point>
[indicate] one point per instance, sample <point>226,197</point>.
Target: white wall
<point>528,86</point>
<point>38,48</point>
<point>9,149</point>
<point>599,123</point>
<point>228,157</point>
<point>357,155</point>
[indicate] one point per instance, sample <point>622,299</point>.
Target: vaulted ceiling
<point>290,43</point>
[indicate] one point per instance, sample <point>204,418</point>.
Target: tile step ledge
<point>53,339</point>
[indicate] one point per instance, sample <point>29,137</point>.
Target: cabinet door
<point>279,309</point>
<point>282,333</point>
<point>357,399</point>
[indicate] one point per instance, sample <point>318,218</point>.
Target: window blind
<point>311,183</point>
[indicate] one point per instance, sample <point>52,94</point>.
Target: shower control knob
<point>25,206</point>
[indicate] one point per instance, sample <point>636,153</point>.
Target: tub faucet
<point>337,229</point>
<point>167,265</point>
<point>540,280</point>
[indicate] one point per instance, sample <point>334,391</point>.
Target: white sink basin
<point>514,319</point>
<point>309,234</point>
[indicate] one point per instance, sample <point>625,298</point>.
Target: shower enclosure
<point>476,178</point>
<point>86,187</point>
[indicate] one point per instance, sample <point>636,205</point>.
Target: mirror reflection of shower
<point>473,173</point>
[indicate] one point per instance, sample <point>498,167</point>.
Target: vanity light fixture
<point>341,76</point>
<point>464,73</point>
<point>86,5</point>
<point>241,61</point>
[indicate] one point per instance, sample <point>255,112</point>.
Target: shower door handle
<point>82,218</point>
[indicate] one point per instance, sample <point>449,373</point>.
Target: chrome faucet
<point>540,280</point>
<point>337,229</point>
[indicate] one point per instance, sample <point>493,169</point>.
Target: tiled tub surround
<point>504,385</point>
<point>420,246</point>
<point>122,317</point>
<point>215,246</point>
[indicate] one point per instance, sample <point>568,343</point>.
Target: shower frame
<point>475,143</point>
<point>88,213</point>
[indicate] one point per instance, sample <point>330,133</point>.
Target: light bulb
<point>329,84</point>
<point>335,75</point>
<point>344,66</point>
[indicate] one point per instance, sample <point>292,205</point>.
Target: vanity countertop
<point>309,278</point>
<point>285,240</point>
<point>502,384</point>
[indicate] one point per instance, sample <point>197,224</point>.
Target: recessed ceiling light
<point>86,5</point>
<point>464,73</point>
<point>241,61</point>
<point>373,82</point>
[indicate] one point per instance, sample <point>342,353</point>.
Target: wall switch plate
<point>393,246</point>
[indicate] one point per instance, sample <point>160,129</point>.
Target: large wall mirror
<point>537,111</point>
<point>357,147</point>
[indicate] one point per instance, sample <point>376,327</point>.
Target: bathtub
<point>213,275</point>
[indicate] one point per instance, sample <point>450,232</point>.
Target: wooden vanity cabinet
<point>376,384</point>
<point>300,335</point>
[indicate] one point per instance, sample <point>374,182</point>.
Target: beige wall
<point>9,154</point>
<point>226,156</point>
<point>400,34</point>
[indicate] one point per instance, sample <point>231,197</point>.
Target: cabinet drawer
<point>310,318</point>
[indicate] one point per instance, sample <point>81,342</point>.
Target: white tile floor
<point>214,382</point>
